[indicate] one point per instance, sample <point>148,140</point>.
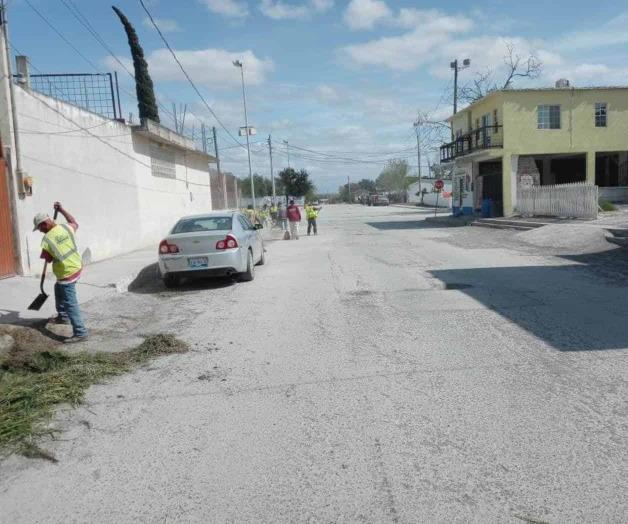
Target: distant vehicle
<point>378,200</point>
<point>214,244</point>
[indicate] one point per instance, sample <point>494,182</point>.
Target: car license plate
<point>197,262</point>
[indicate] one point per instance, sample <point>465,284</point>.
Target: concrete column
<point>23,69</point>
<point>548,176</point>
<point>509,170</point>
<point>623,169</point>
<point>591,167</point>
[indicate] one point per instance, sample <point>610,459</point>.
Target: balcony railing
<point>486,137</point>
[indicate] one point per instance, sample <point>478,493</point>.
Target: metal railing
<point>485,137</point>
<point>96,92</point>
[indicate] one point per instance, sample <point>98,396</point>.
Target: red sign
<point>438,185</point>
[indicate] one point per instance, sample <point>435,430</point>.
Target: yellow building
<point>520,137</point>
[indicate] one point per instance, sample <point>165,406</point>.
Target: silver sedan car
<point>214,244</point>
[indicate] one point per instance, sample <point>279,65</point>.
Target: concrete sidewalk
<point>99,279</point>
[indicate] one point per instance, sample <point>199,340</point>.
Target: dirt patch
<point>36,377</point>
<point>28,339</point>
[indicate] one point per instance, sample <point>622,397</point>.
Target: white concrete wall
<point>430,198</point>
<point>102,175</point>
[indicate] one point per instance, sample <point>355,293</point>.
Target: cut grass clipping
<point>34,383</point>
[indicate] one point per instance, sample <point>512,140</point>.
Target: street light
<point>454,65</point>
<point>238,64</point>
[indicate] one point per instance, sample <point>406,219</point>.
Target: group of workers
<point>287,218</point>
<point>59,248</point>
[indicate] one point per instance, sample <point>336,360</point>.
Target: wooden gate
<point>7,252</point>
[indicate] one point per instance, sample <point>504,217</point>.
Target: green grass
<point>34,383</point>
<point>607,206</point>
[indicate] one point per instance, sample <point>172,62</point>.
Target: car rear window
<point>194,225</point>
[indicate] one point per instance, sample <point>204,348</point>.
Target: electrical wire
<point>187,76</point>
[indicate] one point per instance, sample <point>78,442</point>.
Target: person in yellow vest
<point>273,213</point>
<point>59,248</point>
<point>311,213</point>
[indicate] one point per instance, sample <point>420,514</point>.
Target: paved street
<point>388,370</point>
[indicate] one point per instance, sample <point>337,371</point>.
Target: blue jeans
<point>68,308</point>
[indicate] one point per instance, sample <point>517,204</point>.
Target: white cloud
<point>167,25</point>
<point>279,10</point>
<point>322,5</point>
<point>228,8</point>
<point>609,34</point>
<point>364,14</point>
<point>212,68</point>
<point>326,93</point>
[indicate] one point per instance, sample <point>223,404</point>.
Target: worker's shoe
<point>74,339</point>
<point>59,320</point>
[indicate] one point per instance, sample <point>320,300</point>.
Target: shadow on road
<point>573,308</point>
<point>407,224</point>
<point>148,281</point>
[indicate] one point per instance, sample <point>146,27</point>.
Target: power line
<point>176,58</point>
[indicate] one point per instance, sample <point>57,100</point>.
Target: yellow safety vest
<point>60,244</point>
<point>311,213</point>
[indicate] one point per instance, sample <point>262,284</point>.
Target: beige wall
<point>578,133</point>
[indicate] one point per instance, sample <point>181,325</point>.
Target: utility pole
<point>224,178</point>
<point>16,131</point>
<point>287,151</point>
<point>204,138</point>
<point>454,65</point>
<point>417,128</point>
<point>272,176</point>
<point>349,189</point>
<point>238,63</point>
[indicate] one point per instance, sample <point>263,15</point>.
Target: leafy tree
<point>394,177</point>
<point>367,185</point>
<point>345,196</point>
<point>296,183</point>
<point>146,103</point>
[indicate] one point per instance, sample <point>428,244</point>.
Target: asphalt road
<point>383,371</point>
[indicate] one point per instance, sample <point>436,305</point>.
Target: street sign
<point>438,185</point>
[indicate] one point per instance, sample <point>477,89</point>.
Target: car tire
<point>249,274</point>
<point>262,259</point>
<point>171,281</point>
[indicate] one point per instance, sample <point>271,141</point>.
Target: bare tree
<point>517,66</point>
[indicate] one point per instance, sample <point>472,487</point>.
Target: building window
<point>549,117</point>
<point>162,161</point>
<point>477,131</point>
<point>600,114</point>
<point>495,122</point>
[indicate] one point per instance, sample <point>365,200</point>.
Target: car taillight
<point>229,242</point>
<point>166,248</point>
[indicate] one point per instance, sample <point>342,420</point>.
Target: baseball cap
<point>39,218</point>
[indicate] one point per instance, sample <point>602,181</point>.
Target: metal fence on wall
<point>224,190</point>
<point>578,200</point>
<point>96,92</point>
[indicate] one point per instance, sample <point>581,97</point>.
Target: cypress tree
<point>147,105</point>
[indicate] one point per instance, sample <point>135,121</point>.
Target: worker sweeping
<point>59,248</point>
<point>311,213</point>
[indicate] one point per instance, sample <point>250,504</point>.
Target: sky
<point>341,81</point>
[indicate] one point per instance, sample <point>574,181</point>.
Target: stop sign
<point>439,184</point>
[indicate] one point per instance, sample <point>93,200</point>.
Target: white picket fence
<point>578,200</point>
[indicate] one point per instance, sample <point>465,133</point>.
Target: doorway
<point>7,252</point>
<point>491,173</point>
